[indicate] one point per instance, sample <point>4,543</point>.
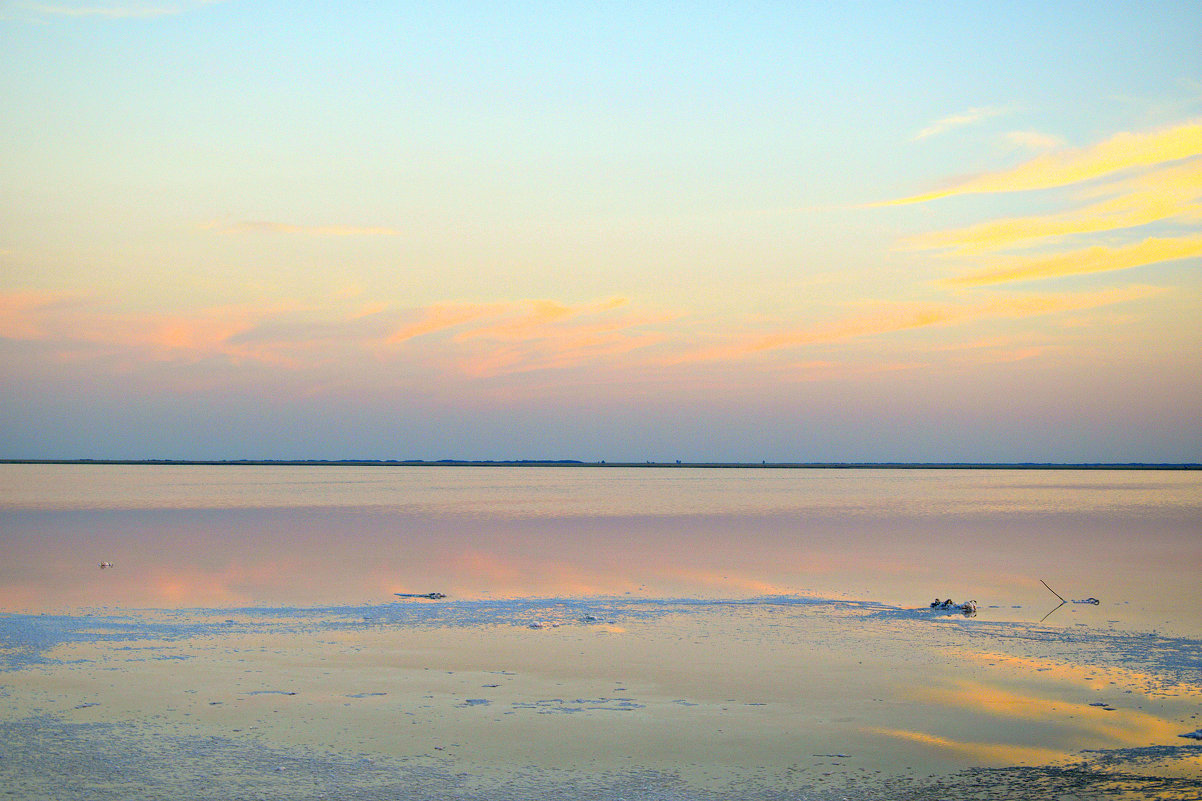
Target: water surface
<point>649,634</point>
<point>184,536</point>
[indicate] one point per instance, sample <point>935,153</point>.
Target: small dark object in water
<point>1090,600</point>
<point>935,603</point>
<point>103,565</point>
<point>947,604</point>
<point>433,596</point>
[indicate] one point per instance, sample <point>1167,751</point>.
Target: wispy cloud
<point>269,227</point>
<point>23,313</point>
<point>1121,152</point>
<point>127,11</point>
<point>69,323</point>
<point>442,316</point>
<point>1096,259</point>
<point>537,315</point>
<point>969,117</point>
<point>1033,140</point>
<point>1172,192</point>
<point>1122,187</point>
<point>477,339</point>
<point>894,318</point>
<point>538,334</point>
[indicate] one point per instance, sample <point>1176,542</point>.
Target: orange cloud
<point>571,350</point>
<point>1089,260</point>
<point>548,335</point>
<point>445,315</point>
<point>898,317</point>
<point>24,313</point>
<point>499,338</point>
<point>71,321</point>
<point>527,335</point>
<point>537,316</point>
<point>268,227</point>
<point>1121,152</point>
<point>884,321</point>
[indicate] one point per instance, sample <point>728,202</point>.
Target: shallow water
<point>642,633</point>
<point>183,536</point>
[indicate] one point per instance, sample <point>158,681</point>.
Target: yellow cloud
<point>1097,259</point>
<point>1168,193</point>
<point>1121,152</point>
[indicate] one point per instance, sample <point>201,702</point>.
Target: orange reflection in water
<point>474,569</point>
<point>978,752</point>
<point>1093,677</point>
<point>476,572</point>
<point>1095,726</point>
<point>194,586</point>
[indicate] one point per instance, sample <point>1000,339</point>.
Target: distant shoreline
<point>604,464</point>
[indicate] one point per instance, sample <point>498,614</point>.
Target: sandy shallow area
<point>774,697</point>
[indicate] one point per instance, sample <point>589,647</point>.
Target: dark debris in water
<point>1106,775</point>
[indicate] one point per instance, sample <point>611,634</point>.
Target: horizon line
<point>602,463</point>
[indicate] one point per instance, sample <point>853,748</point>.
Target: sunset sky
<point>741,231</point>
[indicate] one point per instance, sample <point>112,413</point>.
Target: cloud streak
<point>1033,140</point>
<point>471,340</point>
<point>1164,194</point>
<point>1121,152</point>
<point>135,11</point>
<point>1098,259</point>
<point>895,318</point>
<point>443,316</point>
<point>269,227</point>
<point>1125,185</point>
<point>969,117</point>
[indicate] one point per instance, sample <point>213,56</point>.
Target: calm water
<point>651,634</point>
<point>183,536</point>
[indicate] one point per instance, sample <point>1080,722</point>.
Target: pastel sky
<point>740,231</point>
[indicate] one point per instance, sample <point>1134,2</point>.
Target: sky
<point>625,231</point>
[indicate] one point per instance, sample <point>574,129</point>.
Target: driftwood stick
<point>1049,614</point>
<point>1058,595</point>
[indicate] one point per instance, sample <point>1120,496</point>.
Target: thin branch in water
<point>1058,595</point>
<point>1049,614</point>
